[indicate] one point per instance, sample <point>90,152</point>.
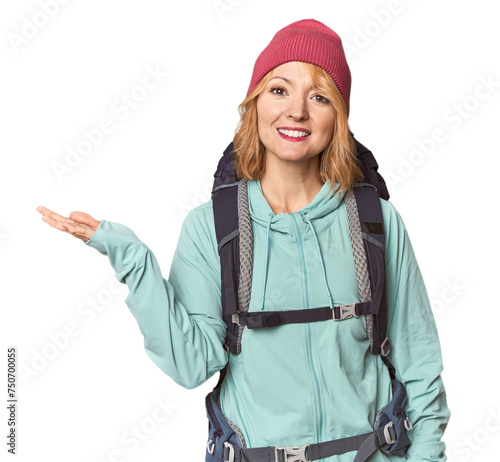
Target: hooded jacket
<point>297,383</point>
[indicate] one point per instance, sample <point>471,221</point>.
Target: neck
<point>290,186</point>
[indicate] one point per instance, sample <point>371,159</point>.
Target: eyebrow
<point>279,77</point>
<point>285,79</point>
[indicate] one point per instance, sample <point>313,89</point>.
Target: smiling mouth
<point>293,133</point>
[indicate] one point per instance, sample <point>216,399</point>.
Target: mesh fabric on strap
<point>246,253</point>
<point>360,263</point>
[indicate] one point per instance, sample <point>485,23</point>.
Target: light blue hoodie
<point>297,383</point>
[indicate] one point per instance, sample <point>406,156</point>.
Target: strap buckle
<point>341,312</point>
<point>408,424</point>
<point>291,453</point>
<point>231,452</point>
<point>385,347</point>
<point>236,318</point>
<point>211,446</point>
<point>390,433</point>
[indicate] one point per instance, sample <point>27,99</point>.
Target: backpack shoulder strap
<point>235,243</point>
<point>366,230</point>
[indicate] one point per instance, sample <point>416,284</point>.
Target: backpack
<point>234,239</point>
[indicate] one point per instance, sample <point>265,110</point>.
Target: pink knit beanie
<point>309,41</point>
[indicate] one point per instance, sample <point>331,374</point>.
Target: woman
<point>301,383</point>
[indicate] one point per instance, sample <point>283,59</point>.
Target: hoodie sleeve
<point>180,318</point>
<point>415,347</point>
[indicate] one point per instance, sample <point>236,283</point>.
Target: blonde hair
<point>338,161</point>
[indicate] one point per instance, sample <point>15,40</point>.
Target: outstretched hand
<point>79,224</point>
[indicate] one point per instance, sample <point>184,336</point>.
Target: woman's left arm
<point>416,351</point>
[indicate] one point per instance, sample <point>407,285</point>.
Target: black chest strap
<point>261,319</point>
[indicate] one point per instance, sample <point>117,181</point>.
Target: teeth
<point>293,133</point>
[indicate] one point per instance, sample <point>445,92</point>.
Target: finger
<point>80,231</point>
<point>53,215</point>
<point>71,228</point>
<point>58,224</point>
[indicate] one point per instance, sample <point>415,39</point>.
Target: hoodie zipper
<point>317,395</point>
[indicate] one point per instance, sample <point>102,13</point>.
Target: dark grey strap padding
<point>367,237</point>
<point>227,239</point>
<point>336,447</point>
<point>359,255</point>
<point>371,444</point>
<point>246,253</point>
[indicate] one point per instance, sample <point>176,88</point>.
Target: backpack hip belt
<point>226,442</point>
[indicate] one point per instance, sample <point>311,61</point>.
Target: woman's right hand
<point>79,224</point>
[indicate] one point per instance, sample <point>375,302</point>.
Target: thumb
<point>84,218</point>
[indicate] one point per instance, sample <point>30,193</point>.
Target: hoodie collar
<point>323,204</point>
<point>320,207</point>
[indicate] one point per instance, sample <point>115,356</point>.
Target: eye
<point>322,99</point>
<point>277,89</point>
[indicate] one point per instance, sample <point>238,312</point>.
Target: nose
<point>297,109</point>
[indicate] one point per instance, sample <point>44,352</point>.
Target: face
<point>288,105</point>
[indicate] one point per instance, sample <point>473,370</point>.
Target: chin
<point>293,156</point>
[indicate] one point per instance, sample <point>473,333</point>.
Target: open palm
<point>79,224</point>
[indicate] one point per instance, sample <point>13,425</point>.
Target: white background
<point>417,67</point>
